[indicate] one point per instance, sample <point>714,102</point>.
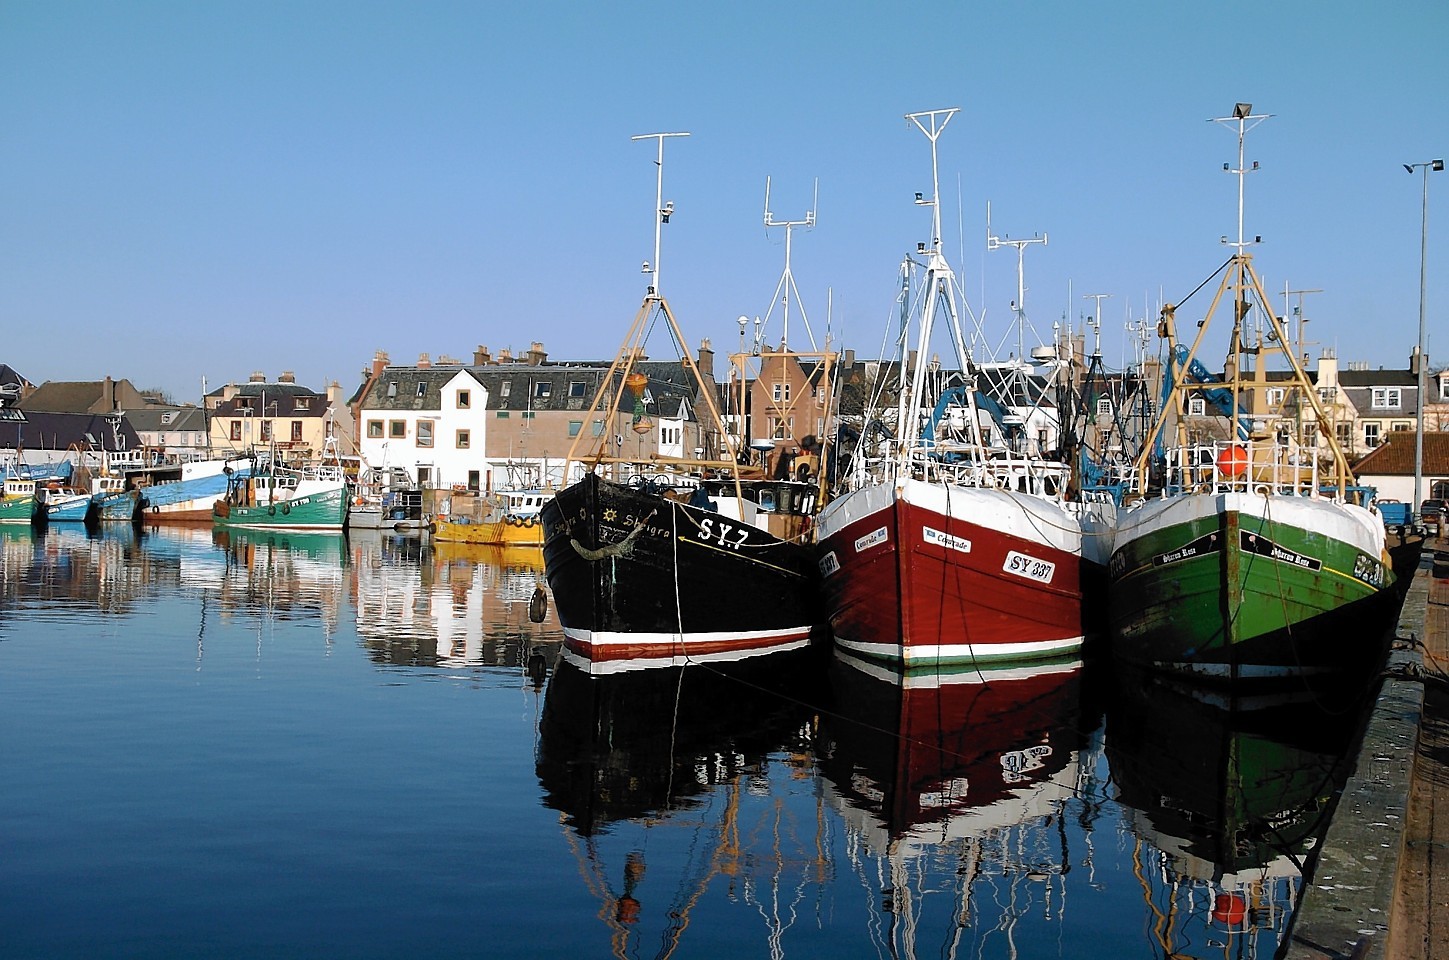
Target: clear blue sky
<point>207,189</point>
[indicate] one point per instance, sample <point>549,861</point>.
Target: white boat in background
<point>186,492</point>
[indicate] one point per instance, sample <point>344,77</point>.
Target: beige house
<point>293,420</point>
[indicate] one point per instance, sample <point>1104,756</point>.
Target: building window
<point>1104,406</point>
<point>1386,398</point>
<point>168,417</point>
<point>1343,433</point>
<point>374,429</point>
<point>597,429</point>
<point>1371,434</point>
<point>575,427</point>
<point>781,428</point>
<point>1275,397</point>
<point>1402,425</point>
<point>1325,395</point>
<point>528,414</point>
<point>578,389</point>
<point>425,476</point>
<point>422,388</point>
<point>236,429</point>
<point>397,429</point>
<point>465,400</point>
<point>1197,407</point>
<point>392,389</point>
<point>1444,388</point>
<point>474,479</point>
<point>463,439</point>
<point>505,388</point>
<point>781,393</point>
<point>266,430</point>
<point>502,414</point>
<point>244,403</point>
<point>301,403</point>
<point>542,389</point>
<point>161,439</point>
<point>425,433</point>
<point>296,429</point>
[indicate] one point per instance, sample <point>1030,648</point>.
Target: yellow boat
<point>506,518</point>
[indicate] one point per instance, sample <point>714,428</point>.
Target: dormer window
<point>542,389</point>
<point>422,388</point>
<point>168,416</point>
<point>1386,398</point>
<point>301,403</point>
<point>1197,407</point>
<point>392,390</point>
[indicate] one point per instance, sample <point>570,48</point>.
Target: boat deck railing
<point>1261,467</point>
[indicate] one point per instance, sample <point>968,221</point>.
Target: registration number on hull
<point>1031,568</point>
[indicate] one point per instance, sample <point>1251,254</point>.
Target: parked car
<point>1432,515</point>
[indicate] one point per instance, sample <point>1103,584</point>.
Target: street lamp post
<point>1423,356</point>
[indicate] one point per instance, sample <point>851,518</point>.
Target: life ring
<point>271,509</point>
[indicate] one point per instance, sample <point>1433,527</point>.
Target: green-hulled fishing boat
<point>1246,552</point>
<point>19,503</point>
<point>280,499</point>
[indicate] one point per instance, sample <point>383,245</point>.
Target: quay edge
<point>1346,911</point>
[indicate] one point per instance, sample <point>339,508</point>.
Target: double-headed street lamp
<point>1423,356</point>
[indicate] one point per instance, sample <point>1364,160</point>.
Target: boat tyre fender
<point>286,509</point>
<point>271,509</point>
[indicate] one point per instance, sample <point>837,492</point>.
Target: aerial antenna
<point>662,209</point>
<point>993,243</point>
<point>1095,321</point>
<point>786,287</point>
<point>1242,115</point>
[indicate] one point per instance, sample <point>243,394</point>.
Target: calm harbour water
<point>311,746</point>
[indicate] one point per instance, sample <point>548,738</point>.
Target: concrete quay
<point>1380,889</point>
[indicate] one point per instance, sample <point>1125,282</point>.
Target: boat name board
<point>1032,568</point>
<point>1263,547</point>
<point>946,540</point>
<point>876,536</point>
<point>1208,543</point>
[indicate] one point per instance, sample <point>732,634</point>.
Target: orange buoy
<point>1233,461</point>
<point>1229,908</point>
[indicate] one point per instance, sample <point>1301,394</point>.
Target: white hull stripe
<point>926,653</point>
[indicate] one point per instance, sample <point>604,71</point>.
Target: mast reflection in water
<point>265,744</point>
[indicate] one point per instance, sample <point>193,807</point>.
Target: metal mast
<point>662,210</point>
<point>786,288</point>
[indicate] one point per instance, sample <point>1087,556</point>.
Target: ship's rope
<point>623,548</point>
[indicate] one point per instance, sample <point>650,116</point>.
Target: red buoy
<point>1229,908</point>
<point>1233,461</point>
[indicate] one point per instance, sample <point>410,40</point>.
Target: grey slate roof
<point>42,430</point>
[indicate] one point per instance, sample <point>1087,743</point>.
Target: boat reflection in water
<point>1228,801</point>
<point>953,784</point>
<point>448,604</point>
<point>68,566</point>
<point>671,779</point>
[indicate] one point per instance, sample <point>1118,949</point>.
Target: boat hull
<point>510,532</point>
<point>1236,587</point>
<point>121,507</point>
<point>924,575</point>
<point>20,510</point>
<point>190,499</point>
<point>321,510</point>
<point>643,580</point>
